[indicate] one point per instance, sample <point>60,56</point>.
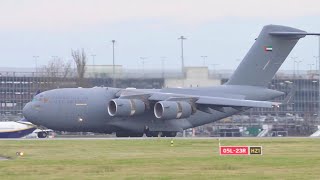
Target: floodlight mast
<point>93,65</point>
<point>319,81</point>
<point>93,56</point>
<point>143,60</point>
<point>294,66</point>
<point>113,65</point>
<point>163,58</point>
<point>182,58</point>
<point>36,62</point>
<point>204,60</point>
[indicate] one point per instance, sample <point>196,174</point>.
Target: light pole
<point>317,60</point>
<point>36,62</point>
<point>310,66</point>
<point>93,55</point>
<point>143,61</point>
<point>214,67</point>
<point>182,59</point>
<point>298,62</point>
<point>93,68</point>
<point>319,82</point>
<point>162,65</point>
<point>113,65</point>
<point>54,57</point>
<point>294,65</point>
<point>204,60</point>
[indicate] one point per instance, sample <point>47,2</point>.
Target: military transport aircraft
<point>133,112</point>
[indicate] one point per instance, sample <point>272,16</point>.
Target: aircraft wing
<point>199,100</point>
<point>176,104</point>
<point>179,105</point>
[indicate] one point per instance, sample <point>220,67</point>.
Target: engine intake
<point>172,110</point>
<point>126,107</point>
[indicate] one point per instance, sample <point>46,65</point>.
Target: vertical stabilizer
<point>265,57</point>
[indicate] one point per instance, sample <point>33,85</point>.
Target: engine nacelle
<point>126,107</point>
<point>172,109</point>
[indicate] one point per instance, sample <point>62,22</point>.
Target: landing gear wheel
<point>152,134</point>
<point>136,134</point>
<point>169,134</point>
<point>128,134</point>
<point>148,134</point>
<point>121,134</point>
<point>42,134</point>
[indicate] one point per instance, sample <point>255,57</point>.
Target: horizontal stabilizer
<point>293,34</point>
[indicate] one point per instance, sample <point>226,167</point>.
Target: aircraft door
<point>81,112</point>
<point>81,108</point>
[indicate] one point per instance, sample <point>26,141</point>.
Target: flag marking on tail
<point>267,48</point>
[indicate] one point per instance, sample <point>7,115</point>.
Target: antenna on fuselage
<point>37,92</point>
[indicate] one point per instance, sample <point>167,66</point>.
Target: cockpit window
<point>40,98</point>
<point>35,99</point>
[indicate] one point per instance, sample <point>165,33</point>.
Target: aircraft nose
<point>28,112</point>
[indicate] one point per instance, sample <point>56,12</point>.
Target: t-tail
<point>265,57</point>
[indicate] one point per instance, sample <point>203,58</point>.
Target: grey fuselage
<point>85,109</point>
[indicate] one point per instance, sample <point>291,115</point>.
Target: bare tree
<point>80,58</point>
<point>57,68</point>
<point>66,69</point>
<point>56,71</point>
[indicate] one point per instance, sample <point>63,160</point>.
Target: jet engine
<point>126,107</point>
<point>172,109</point>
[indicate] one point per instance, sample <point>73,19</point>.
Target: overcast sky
<point>222,30</point>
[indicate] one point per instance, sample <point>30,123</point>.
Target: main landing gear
<point>161,134</point>
<point>128,134</point>
<point>148,134</point>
